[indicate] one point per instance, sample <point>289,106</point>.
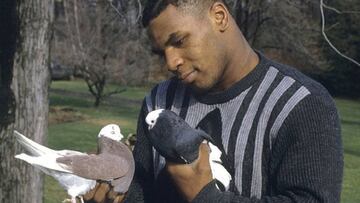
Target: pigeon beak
<point>151,125</point>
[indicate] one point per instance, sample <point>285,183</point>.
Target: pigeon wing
<point>97,167</point>
<point>67,152</point>
<point>187,144</point>
<point>121,185</point>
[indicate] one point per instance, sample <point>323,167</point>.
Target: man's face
<point>191,46</point>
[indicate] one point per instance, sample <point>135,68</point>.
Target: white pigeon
<point>47,160</point>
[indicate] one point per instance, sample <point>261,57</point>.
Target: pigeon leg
<point>67,200</point>
<point>73,199</point>
<point>81,199</point>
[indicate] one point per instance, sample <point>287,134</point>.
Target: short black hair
<point>153,8</point>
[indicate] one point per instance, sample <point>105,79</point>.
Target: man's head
<point>197,38</point>
<point>154,7</point>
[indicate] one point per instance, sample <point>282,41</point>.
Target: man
<point>279,129</point>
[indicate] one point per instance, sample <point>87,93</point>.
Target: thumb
<point>202,163</point>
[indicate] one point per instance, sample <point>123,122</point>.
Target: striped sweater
<point>278,128</point>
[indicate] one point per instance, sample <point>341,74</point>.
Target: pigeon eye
<point>152,121</point>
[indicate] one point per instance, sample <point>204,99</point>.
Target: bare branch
<point>68,26</point>
<point>140,11</point>
<point>338,11</point>
<point>117,91</point>
<point>327,39</point>
<point>81,48</point>
<point>234,5</point>
<point>117,10</point>
<point>332,26</point>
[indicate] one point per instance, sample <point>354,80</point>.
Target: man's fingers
<point>200,164</point>
<point>118,198</point>
<point>89,195</point>
<point>112,194</point>
<point>101,191</point>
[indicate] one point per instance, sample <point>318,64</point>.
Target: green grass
<point>53,193</point>
<point>350,124</point>
<point>81,134</point>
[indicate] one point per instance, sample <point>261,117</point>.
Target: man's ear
<point>220,16</point>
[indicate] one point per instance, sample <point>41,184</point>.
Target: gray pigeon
<point>78,172</point>
<point>175,140</point>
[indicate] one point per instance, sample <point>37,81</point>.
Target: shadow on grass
<point>350,122</point>
<point>352,152</point>
<point>61,100</point>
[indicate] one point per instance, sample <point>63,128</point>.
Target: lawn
<point>350,123</point>
<point>74,124</point>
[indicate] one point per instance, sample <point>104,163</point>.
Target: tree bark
<point>24,85</point>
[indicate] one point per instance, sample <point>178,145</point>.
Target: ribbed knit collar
<point>238,87</point>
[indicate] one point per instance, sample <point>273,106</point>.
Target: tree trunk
<point>24,79</point>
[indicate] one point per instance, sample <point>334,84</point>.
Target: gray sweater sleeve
<point>306,159</point>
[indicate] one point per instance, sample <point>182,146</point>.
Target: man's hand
<point>191,178</point>
<point>102,193</point>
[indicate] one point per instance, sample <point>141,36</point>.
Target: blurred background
<point>69,67</point>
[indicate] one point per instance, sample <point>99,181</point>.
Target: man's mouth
<point>188,77</point>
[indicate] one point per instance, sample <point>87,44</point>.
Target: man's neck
<point>241,61</point>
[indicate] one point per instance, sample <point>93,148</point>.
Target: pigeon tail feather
<point>33,147</point>
<point>42,161</point>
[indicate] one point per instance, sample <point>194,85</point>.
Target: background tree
<point>24,53</point>
<point>291,33</point>
<point>105,43</point>
<point>343,30</point>
<point>250,15</point>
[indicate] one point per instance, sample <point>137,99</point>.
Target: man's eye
<point>179,43</point>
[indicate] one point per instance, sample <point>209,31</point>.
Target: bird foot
<point>72,200</point>
<point>66,200</point>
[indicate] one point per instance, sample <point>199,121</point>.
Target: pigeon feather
<point>31,146</point>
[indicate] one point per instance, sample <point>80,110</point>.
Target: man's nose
<point>173,59</point>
